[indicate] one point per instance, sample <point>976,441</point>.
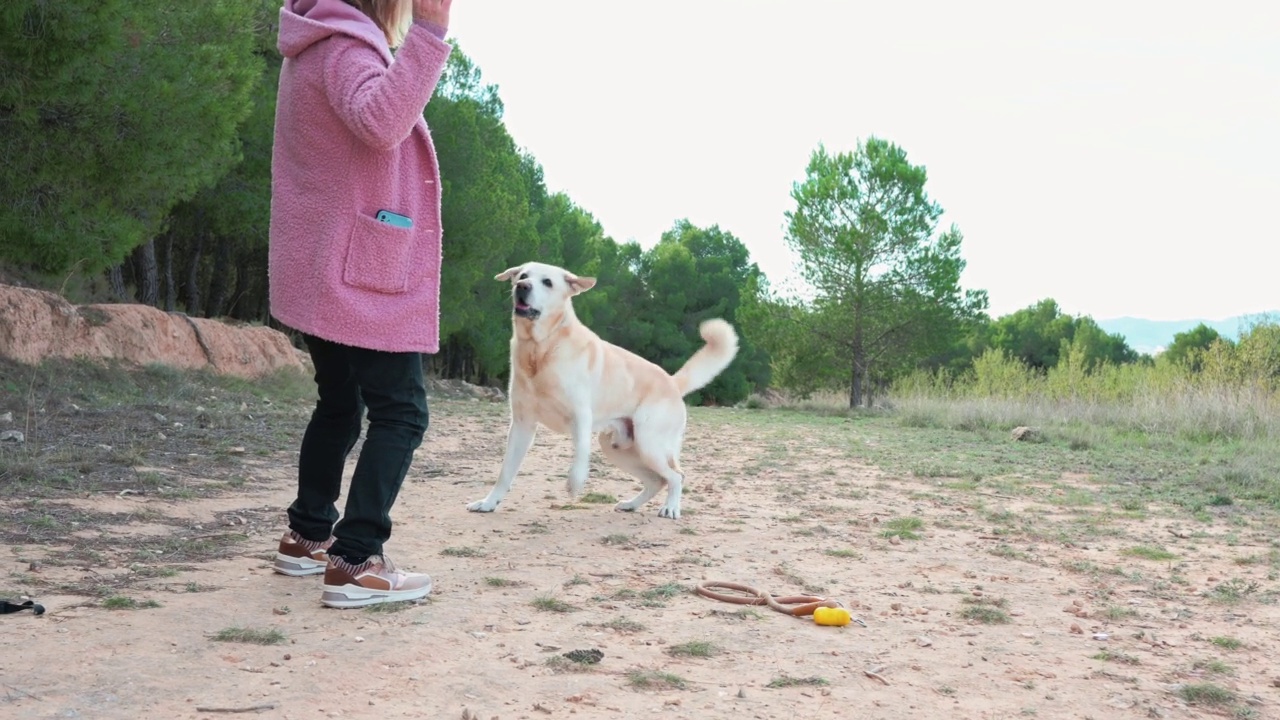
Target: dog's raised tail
<point>710,359</point>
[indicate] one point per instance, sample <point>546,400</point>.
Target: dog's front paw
<point>485,505</point>
<point>668,511</point>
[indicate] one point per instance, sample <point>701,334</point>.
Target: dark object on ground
<point>585,657</point>
<point>7,607</point>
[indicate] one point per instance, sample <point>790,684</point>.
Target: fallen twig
<point>23,692</point>
<point>250,708</point>
<point>874,674</point>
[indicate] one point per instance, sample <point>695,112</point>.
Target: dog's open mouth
<point>522,309</point>
<point>521,298</point>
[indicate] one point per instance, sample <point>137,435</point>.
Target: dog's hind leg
<point>628,460</point>
<point>653,457</point>
<point>519,439</point>
<point>668,469</point>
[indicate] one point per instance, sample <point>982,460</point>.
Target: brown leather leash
<point>795,605</point>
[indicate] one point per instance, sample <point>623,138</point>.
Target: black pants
<point>349,380</point>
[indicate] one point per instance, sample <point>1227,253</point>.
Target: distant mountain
<point>1149,336</point>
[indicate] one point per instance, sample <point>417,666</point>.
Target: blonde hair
<point>393,17</point>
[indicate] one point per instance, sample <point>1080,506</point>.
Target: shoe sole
<point>296,566</point>
<point>355,596</point>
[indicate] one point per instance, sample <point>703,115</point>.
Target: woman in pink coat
<point>355,267</point>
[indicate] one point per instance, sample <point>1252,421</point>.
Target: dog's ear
<point>579,284</point>
<point>507,274</point>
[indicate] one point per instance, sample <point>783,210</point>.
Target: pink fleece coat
<point>350,140</point>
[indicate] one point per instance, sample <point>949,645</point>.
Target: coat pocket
<point>378,256</point>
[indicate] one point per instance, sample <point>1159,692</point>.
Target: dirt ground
<point>1088,631</point>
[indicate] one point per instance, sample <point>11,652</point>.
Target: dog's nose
<point>522,290</point>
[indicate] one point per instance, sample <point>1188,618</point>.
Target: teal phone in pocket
<point>395,219</point>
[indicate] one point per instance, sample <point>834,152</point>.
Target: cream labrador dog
<point>569,380</point>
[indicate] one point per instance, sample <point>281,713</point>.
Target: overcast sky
<point>1122,158</point>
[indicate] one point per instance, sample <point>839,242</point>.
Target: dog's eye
<point>546,281</point>
<point>524,276</point>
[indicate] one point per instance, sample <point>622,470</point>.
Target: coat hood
<point>304,23</point>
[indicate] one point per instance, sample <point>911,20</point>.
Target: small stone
<point>895,606</point>
<point>359,639</point>
<point>12,436</point>
<point>7,417</point>
<point>923,641</point>
<point>1101,636</point>
<point>160,418</point>
<point>1076,629</point>
<point>895,540</point>
<point>161,436</point>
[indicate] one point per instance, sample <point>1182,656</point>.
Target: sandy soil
<point>789,514</point>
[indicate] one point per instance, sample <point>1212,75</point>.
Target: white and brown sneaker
<point>298,556</point>
<point>371,582</point>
